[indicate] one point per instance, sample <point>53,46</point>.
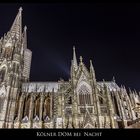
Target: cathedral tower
<point>13,69</point>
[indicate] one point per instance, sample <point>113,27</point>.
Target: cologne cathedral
<point>80,102</point>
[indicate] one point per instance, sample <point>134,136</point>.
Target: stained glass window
<point>84,95</point>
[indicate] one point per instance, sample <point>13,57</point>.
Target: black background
<point>107,33</point>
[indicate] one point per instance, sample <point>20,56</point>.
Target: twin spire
<point>16,31</point>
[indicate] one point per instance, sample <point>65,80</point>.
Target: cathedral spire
<point>92,71</point>
<point>113,79</point>
<point>74,59</point>
<point>91,67</point>
<point>81,60</point>
<point>16,28</point>
<point>25,37</point>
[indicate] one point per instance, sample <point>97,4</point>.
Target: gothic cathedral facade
<point>81,102</point>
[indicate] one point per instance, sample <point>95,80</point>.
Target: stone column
<point>63,111</point>
<point>55,108</point>
<point>98,109</point>
<point>31,108</point>
<point>130,107</point>
<point>118,103</point>
<point>111,109</point>
<point>11,109</point>
<point>50,105</point>
<point>122,112</point>
<point>20,109</point>
<point>41,107</point>
<point>132,99</point>
<point>3,114</point>
<point>59,104</point>
<point>75,109</point>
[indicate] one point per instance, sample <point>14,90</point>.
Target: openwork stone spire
<point>16,28</point>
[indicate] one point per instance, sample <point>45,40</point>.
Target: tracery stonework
<point>81,102</point>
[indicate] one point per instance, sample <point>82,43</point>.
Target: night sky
<point>109,34</point>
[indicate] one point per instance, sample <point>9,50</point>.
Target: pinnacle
<point>74,58</point>
<point>81,58</point>
<point>90,61</point>
<point>74,48</point>
<point>113,79</point>
<point>20,9</point>
<point>25,27</point>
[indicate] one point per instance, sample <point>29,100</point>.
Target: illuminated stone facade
<point>81,102</point>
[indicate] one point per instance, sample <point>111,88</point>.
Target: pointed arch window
<point>26,106</point>
<point>37,107</point>
<point>70,100</point>
<point>85,96</point>
<point>46,107</point>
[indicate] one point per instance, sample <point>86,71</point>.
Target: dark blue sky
<point>109,34</point>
